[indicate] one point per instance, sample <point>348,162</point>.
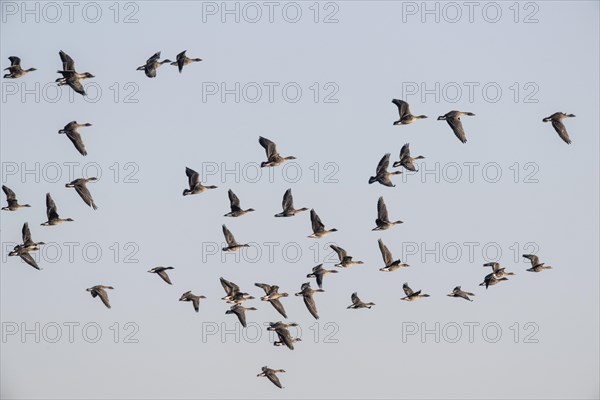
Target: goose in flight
<point>100,290</point>
<point>358,303</point>
<point>183,60</point>
<point>498,270</point>
<point>152,65</point>
<point>381,173</point>
<point>285,337</point>
<point>15,71</point>
<point>240,312</point>
<point>232,244</point>
<point>272,295</point>
<point>453,119</point>
<point>11,199</point>
<point>271,375</point>
<point>319,272</point>
<point>70,76</point>
<point>405,116</point>
<point>388,259</point>
<point>273,157</point>
<point>52,213</point>
<point>82,190</point>
<point>536,265</point>
<point>288,206</point>
<point>318,227</point>
<point>383,221</point>
<point>491,280</point>
<point>28,245</point>
<point>411,295</point>
<point>345,260</point>
<point>189,296</point>
<point>71,130</point>
<point>406,160</point>
<point>234,203</point>
<point>162,272</point>
<point>558,125</point>
<point>194,183</point>
<point>233,294</point>
<point>458,292</point>
<point>307,293</point>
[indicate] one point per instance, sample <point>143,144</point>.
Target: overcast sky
<point>317,79</point>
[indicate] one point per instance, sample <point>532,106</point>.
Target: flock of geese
<point>234,295</point>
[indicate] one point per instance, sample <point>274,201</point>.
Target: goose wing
<point>457,128</point>
<point>155,57</point>
<point>10,195</point>
<point>355,299</point>
<point>68,63</point>
<point>403,108</point>
<point>85,194</point>
<point>310,304</point>
<point>273,378</point>
<point>25,256</point>
<point>103,296</point>
<point>341,253</point>
<point>278,306</point>
<point>382,213</point>
<point>383,164</point>
<point>76,85</point>
<point>26,234</point>
<point>267,288</point>
<point>234,201</point>
<point>288,201</point>
<point>385,253</point>
<point>407,290</point>
<point>165,277</point>
<point>405,151</point>
<point>317,225</point>
<point>51,212</point>
<point>75,138</point>
<point>269,146</point>
<point>193,177</point>
<point>559,127</point>
<point>228,236</point>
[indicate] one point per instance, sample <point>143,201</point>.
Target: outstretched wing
<point>402,107</point>
<point>51,212</point>
<point>355,298</point>
<point>154,57</point>
<point>317,225</point>
<point>26,234</point>
<point>103,296</point>
<point>76,85</point>
<point>164,276</point>
<point>288,200</point>
<point>85,194</point>
<point>14,61</point>
<point>310,304</point>
<point>228,236</point>
<point>68,63</point>
<point>193,177</point>
<point>383,164</point>
<point>75,138</point>
<point>405,151</point>
<point>457,128</point>
<point>273,378</point>
<point>28,259</point>
<point>407,290</point>
<point>385,253</point>
<point>559,127</point>
<point>234,201</point>
<point>10,195</point>
<point>269,146</point>
<point>278,306</point>
<point>267,288</point>
<point>341,253</point>
<point>382,213</point>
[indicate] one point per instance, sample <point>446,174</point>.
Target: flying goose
<point>28,245</point>
<point>152,65</point>
<point>410,295</point>
<point>240,311</point>
<point>194,183</point>
<point>345,260</point>
<point>70,76</point>
<point>497,270</point>
<point>288,206</point>
<point>388,259</point>
<point>284,335</point>
<point>272,295</point>
<point>319,272</point>
<point>189,296</point>
<point>234,202</point>
<point>232,245</point>
<point>357,303</point>
<point>558,125</point>
<point>183,60</point>
<point>405,116</point>
<point>82,190</point>
<point>233,293</point>
<point>273,157</point>
<point>161,271</point>
<point>99,290</point>
<point>491,280</point>
<point>11,199</point>
<point>71,131</point>
<point>270,374</point>
<point>383,221</point>
<point>52,213</point>
<point>453,119</point>
<point>406,160</point>
<point>458,292</point>
<point>536,265</point>
<point>307,293</point>
<point>318,227</point>
<point>15,71</point>
<point>381,174</point>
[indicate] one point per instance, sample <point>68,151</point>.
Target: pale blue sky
<point>366,56</point>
